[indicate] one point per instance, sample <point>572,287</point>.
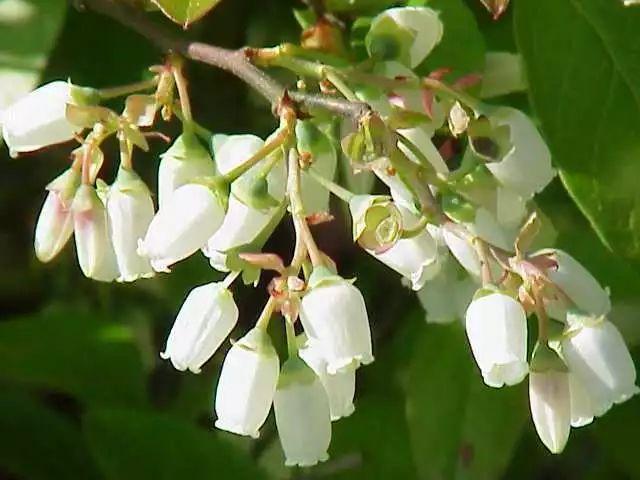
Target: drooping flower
<point>549,398</point>
<point>302,415</point>
<point>526,167</point>
<point>599,359</point>
<point>130,210</point>
<point>242,223</point>
<point>182,226</point>
<point>340,387</point>
<point>334,317</point>
<point>39,119</point>
<point>55,222</point>
<point>576,282</point>
<point>205,319</point>
<point>185,161</point>
<point>550,408</point>
<point>462,249</point>
<point>405,34</point>
<point>247,384</point>
<point>415,258</point>
<point>496,326</point>
<point>376,220</point>
<point>93,243</point>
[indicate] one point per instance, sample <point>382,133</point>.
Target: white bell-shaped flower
<point>511,208</point>
<point>582,408</point>
<point>55,222</point>
<point>462,249</point>
<point>447,296</point>
<point>577,283</point>
<point>549,400</point>
<point>93,243</point>
<point>242,223</point>
<point>406,34</point>
<point>39,119</point>
<point>526,168</point>
<point>415,258</point>
<point>496,327</point>
<point>205,319</point>
<point>598,357</point>
<point>334,316</point>
<point>130,210</point>
<point>247,384</point>
<point>486,226</point>
<point>185,161</point>
<point>183,225</point>
<point>340,387</point>
<point>302,415</point>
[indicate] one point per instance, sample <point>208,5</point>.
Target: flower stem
<point>203,132</point>
<point>265,315</point>
<point>284,133</point>
<point>339,191</point>
<point>177,64</point>
<point>292,345</point>
<point>122,90</point>
<point>483,255</point>
<point>541,313</point>
<point>297,210</point>
<point>229,279</point>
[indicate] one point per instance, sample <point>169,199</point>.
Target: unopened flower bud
<point>302,415</point>
<point>377,222</point>
<point>185,161</point>
<point>247,384</point>
<point>39,119</point>
<point>182,226</point>
<point>334,317</point>
<point>526,167</point>
<point>205,319</point>
<point>406,34</point>
<point>93,243</point>
<point>340,387</point>
<point>600,361</point>
<point>576,282</point>
<point>549,398</point>
<point>496,326</point>
<point>55,223</point>
<point>130,210</point>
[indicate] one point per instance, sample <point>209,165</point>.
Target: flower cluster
<point>464,237</point>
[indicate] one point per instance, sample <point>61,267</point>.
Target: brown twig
<point>232,61</point>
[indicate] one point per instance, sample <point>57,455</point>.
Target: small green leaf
<point>130,444</point>
<point>185,12</point>
<point>79,353</point>
<point>584,82</point>
<point>40,444</point>
<point>460,428</point>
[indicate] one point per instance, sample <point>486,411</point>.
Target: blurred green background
<point>83,392</point>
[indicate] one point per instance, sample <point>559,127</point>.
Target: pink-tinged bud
<point>55,223</point>
<point>93,243</point>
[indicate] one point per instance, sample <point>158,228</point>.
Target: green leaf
<point>585,86</point>
<point>462,46</point>
<point>459,427</point>
<point>185,12</point>
<point>28,32</point>
<point>141,445</point>
<point>73,352</point>
<point>39,444</point>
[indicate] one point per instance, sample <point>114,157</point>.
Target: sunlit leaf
<point>185,12</point>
